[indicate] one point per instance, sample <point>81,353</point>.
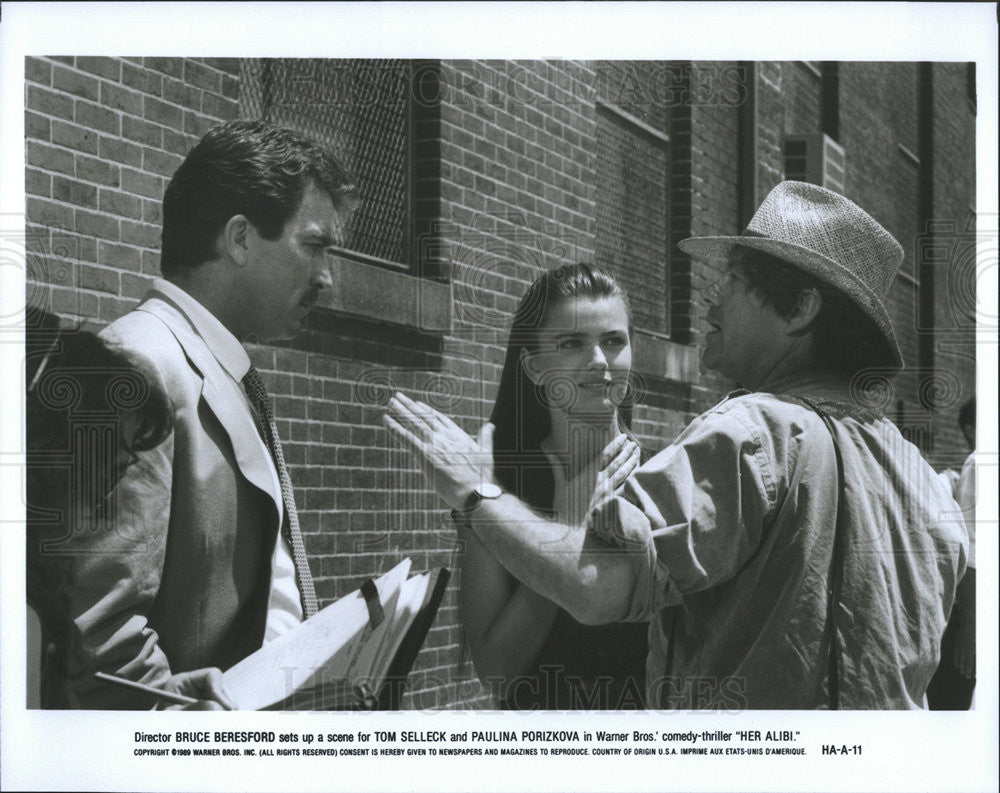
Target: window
<point>632,228</point>
<point>815,158</point>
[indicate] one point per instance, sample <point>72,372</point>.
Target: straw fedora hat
<point>827,236</point>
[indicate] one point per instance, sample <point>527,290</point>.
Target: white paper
<point>302,657</point>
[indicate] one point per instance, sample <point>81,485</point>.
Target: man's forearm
<point>566,564</point>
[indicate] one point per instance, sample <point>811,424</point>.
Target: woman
<point>88,413</point>
<point>564,398</point>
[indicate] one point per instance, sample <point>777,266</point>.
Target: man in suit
<point>199,560</point>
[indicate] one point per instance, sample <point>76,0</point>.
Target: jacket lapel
<point>224,397</point>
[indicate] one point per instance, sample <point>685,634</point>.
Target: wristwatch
<point>483,491</point>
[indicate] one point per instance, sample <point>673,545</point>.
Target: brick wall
<point>801,98</point>
<point>506,183</point>
<point>103,136</point>
<point>877,114</point>
<point>953,215</point>
<point>770,115</point>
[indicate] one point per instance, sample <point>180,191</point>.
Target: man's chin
<point>706,361</point>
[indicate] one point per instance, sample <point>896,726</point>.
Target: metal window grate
<point>360,108</point>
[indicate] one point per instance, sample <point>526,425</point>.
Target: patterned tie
<point>261,400</point>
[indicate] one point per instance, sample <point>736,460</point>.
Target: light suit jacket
<point>177,576</point>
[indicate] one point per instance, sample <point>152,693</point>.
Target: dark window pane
<point>632,232</point>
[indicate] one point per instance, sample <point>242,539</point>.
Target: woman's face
<point>584,355</point>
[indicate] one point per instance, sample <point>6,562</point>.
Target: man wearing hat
<point>790,549</point>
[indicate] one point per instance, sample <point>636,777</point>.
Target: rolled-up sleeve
<point>692,515</point>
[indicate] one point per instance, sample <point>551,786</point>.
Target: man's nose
<point>321,278</point>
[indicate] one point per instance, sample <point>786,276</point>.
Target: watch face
<point>489,490</point>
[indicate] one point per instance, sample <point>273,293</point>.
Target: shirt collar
<point>221,343</point>
<point>804,382</point>
<point>828,389</point>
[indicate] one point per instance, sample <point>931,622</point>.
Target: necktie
<point>290,525</point>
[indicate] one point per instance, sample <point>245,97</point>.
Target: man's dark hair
<point>845,339</point>
<point>246,168</point>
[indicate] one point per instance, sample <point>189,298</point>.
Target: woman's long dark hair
<point>78,445</point>
<point>521,412</point>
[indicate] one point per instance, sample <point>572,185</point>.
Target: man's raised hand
<point>453,462</point>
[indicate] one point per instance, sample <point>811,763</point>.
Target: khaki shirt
<point>731,530</point>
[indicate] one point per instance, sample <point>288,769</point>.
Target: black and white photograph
<point>498,411</point>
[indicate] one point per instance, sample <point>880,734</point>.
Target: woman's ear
<point>529,365</point>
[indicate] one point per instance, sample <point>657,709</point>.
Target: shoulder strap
<point>836,564</point>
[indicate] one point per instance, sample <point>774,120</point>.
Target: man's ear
<point>806,310</point>
<point>235,242</point>
<point>529,366</point>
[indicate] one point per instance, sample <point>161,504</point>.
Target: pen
<point>170,696</point>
